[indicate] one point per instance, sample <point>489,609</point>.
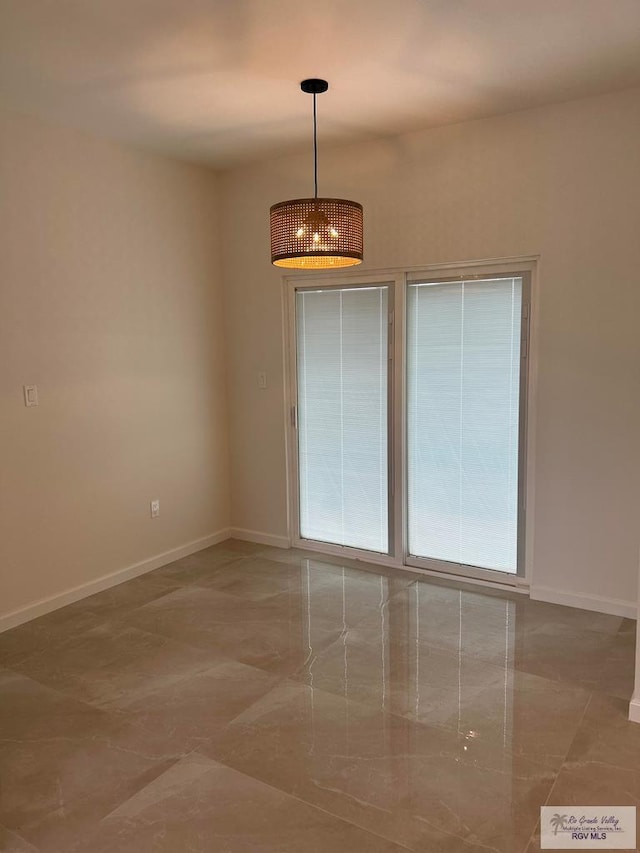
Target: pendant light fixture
<point>316,233</point>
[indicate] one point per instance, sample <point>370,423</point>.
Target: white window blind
<point>342,416</point>
<point>463,392</point>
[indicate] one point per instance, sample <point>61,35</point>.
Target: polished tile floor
<point>251,699</point>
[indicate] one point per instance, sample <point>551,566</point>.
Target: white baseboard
<point>46,605</point>
<point>259,537</point>
<point>612,606</point>
<point>634,708</point>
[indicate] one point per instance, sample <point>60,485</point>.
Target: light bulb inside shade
<point>320,237</point>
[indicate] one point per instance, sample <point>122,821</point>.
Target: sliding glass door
<point>342,400</point>
<point>443,488</point>
<point>463,421</point>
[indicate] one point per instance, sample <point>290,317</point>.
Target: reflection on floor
<point>248,698</point>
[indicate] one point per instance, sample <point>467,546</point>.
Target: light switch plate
<point>262,380</point>
<point>30,395</point>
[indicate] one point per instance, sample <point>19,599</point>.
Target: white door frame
<point>397,280</point>
<point>291,286</point>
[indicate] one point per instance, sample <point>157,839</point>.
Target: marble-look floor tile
<point>603,764</point>
<point>187,713</point>
<point>429,616</point>
<point>541,615</point>
<point>201,806</point>
<point>11,842</point>
<point>45,632</point>
<point>593,660</point>
<point>386,661</point>
<point>349,596</point>
<point>67,623</point>
<point>30,711</point>
<point>301,557</point>
<point>126,596</point>
<point>423,619</point>
<point>115,664</point>
<point>628,626</point>
<point>402,711</point>
<point>329,590</point>
<point>606,735</point>
<point>197,567</point>
<point>66,764</point>
<point>241,546</point>
<point>273,634</point>
<point>366,664</point>
<point>333,563</point>
<point>469,623</point>
<point>414,784</point>
<point>255,578</point>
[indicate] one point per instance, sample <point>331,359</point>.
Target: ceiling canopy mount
<point>316,233</point>
<point>314,86</point>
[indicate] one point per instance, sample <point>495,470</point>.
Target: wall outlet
<point>155,508</point>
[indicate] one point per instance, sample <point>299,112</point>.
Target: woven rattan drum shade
<point>316,233</point>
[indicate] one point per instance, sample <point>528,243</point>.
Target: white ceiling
<point>217,80</point>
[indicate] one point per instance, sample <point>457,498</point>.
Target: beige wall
<point>110,295</point>
<point>110,300</point>
<point>561,181</point>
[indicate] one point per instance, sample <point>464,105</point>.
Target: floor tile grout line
<point>127,716</point>
<point>113,616</point>
<point>14,665</point>
<point>562,764</point>
<point>13,833</point>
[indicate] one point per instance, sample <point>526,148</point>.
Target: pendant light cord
<point>315,147</point>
